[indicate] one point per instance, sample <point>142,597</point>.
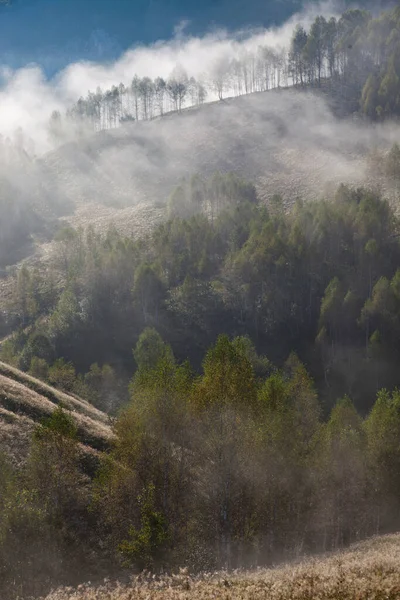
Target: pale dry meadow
<point>368,571</point>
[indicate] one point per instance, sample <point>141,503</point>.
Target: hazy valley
<point>200,318</point>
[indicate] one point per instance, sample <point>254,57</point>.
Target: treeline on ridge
<point>356,58</point>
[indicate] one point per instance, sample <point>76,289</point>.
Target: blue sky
<point>54,33</point>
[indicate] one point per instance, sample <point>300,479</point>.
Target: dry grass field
<point>24,401</point>
<point>367,571</point>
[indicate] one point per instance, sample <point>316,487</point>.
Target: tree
<point>160,88</point>
<point>382,429</point>
<point>150,349</point>
<point>331,37</point>
<point>341,464</point>
<point>220,76</point>
<point>66,317</point>
<point>315,49</point>
<point>56,130</point>
<point>62,375</point>
<point>392,163</point>
<point>224,398</point>
<point>28,549</point>
<point>297,53</point>
<point>177,87</point>
<point>370,97</point>
<point>25,301</point>
<point>150,456</point>
<point>135,90</point>
<point>148,292</point>
<point>146,94</point>
<point>331,309</point>
<point>145,545</point>
<point>389,92</point>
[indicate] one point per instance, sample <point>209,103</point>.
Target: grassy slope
<point>262,136</point>
<point>24,401</point>
<point>369,570</point>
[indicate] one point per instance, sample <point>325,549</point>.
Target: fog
<point>101,297</point>
<point>287,142</point>
<point>27,97</point>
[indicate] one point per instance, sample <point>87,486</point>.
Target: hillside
<point>216,290</point>
<point>262,136</point>
<point>366,570</point>
<point>287,142</point>
<point>24,401</point>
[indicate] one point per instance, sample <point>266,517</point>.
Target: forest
<point>244,352</point>
<point>261,417</point>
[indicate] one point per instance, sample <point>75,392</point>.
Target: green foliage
<point>228,377</point>
<point>59,424</point>
<point>246,456</point>
<point>370,98</point>
<point>145,545</point>
<point>307,280</point>
<point>148,292</point>
<point>39,368</point>
<point>150,350</point>
<point>260,364</point>
<point>392,163</point>
<point>66,315</point>
<point>238,460</point>
<point>62,374</point>
<point>37,346</point>
<point>104,389</point>
<point>222,191</point>
<point>30,540</point>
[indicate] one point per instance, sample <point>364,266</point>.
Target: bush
<point>145,545</point>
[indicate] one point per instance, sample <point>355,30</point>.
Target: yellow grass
<point>56,396</point>
<point>368,571</point>
<point>24,401</point>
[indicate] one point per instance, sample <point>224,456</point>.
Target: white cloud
<point>28,98</point>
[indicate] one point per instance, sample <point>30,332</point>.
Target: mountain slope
<point>263,136</point>
<point>24,401</point>
<point>287,142</point>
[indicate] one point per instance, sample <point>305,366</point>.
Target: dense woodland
<point>320,280</point>
<point>247,355</point>
<point>258,423</point>
<point>355,58</point>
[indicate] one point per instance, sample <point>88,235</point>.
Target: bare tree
<point>135,88</point>
<point>146,93</point>
<point>221,76</point>
<point>160,88</point>
<point>177,87</point>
